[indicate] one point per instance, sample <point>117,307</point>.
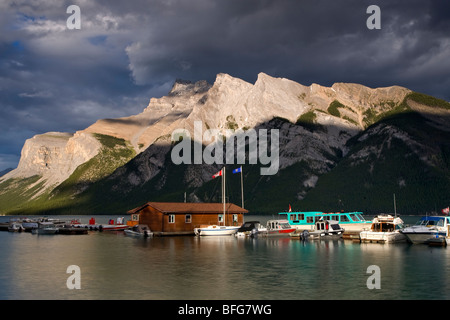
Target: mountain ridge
<point>316,124</point>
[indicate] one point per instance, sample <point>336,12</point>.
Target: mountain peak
<point>183,87</point>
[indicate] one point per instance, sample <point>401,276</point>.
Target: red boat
<point>279,228</point>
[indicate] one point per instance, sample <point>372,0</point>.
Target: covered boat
<point>250,229</point>
<point>426,228</point>
<point>385,228</point>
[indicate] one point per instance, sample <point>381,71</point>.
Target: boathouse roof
<point>190,207</point>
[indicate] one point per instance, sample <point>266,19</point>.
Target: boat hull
<point>282,232</point>
<point>349,227</point>
<point>382,237</point>
<point>136,234</point>
<point>422,237</point>
<point>113,227</point>
<point>216,231</point>
<point>45,231</point>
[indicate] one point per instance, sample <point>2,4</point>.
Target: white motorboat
<point>45,228</point>
<point>15,227</point>
<point>30,224</point>
<point>385,228</point>
<point>278,227</point>
<point>327,229</point>
<point>426,228</point>
<point>140,231</point>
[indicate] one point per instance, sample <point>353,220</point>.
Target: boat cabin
<point>278,225</point>
<point>307,220</point>
<point>386,223</point>
<point>328,225</point>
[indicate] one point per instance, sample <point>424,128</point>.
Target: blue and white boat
<point>350,221</point>
<point>427,228</point>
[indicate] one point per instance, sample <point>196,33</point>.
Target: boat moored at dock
<point>45,228</point>
<point>326,229</point>
<point>278,227</point>
<point>215,230</point>
<point>15,227</point>
<point>139,231</point>
<point>426,228</point>
<point>350,221</point>
<point>250,229</point>
<point>385,229</point>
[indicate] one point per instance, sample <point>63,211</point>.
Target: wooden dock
<point>352,235</point>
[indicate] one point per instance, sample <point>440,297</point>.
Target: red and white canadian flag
<point>218,174</point>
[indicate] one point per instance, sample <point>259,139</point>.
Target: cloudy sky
<point>53,78</point>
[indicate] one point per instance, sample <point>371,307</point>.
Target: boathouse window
<point>220,217</point>
<point>235,218</point>
<point>171,218</point>
<point>188,218</point>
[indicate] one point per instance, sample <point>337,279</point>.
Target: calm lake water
<point>114,266</point>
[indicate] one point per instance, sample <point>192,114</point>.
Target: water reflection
<point>114,266</point>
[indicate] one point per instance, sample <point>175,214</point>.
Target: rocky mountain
<point>344,147</point>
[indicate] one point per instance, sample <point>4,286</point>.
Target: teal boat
<point>350,221</point>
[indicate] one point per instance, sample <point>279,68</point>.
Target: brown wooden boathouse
<point>180,218</point>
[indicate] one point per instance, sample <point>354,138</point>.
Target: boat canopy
<point>249,226</point>
<point>433,220</point>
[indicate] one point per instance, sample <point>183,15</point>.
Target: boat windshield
<point>360,217</point>
<point>383,227</point>
<point>431,221</point>
<point>285,225</point>
<point>399,226</point>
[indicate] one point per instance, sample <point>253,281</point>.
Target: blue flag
<point>237,170</point>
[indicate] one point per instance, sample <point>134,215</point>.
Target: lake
<point>113,266</point>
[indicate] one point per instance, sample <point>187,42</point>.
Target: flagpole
<point>242,187</point>
<point>223,194</point>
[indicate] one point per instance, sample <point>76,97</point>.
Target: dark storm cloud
<point>55,79</point>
